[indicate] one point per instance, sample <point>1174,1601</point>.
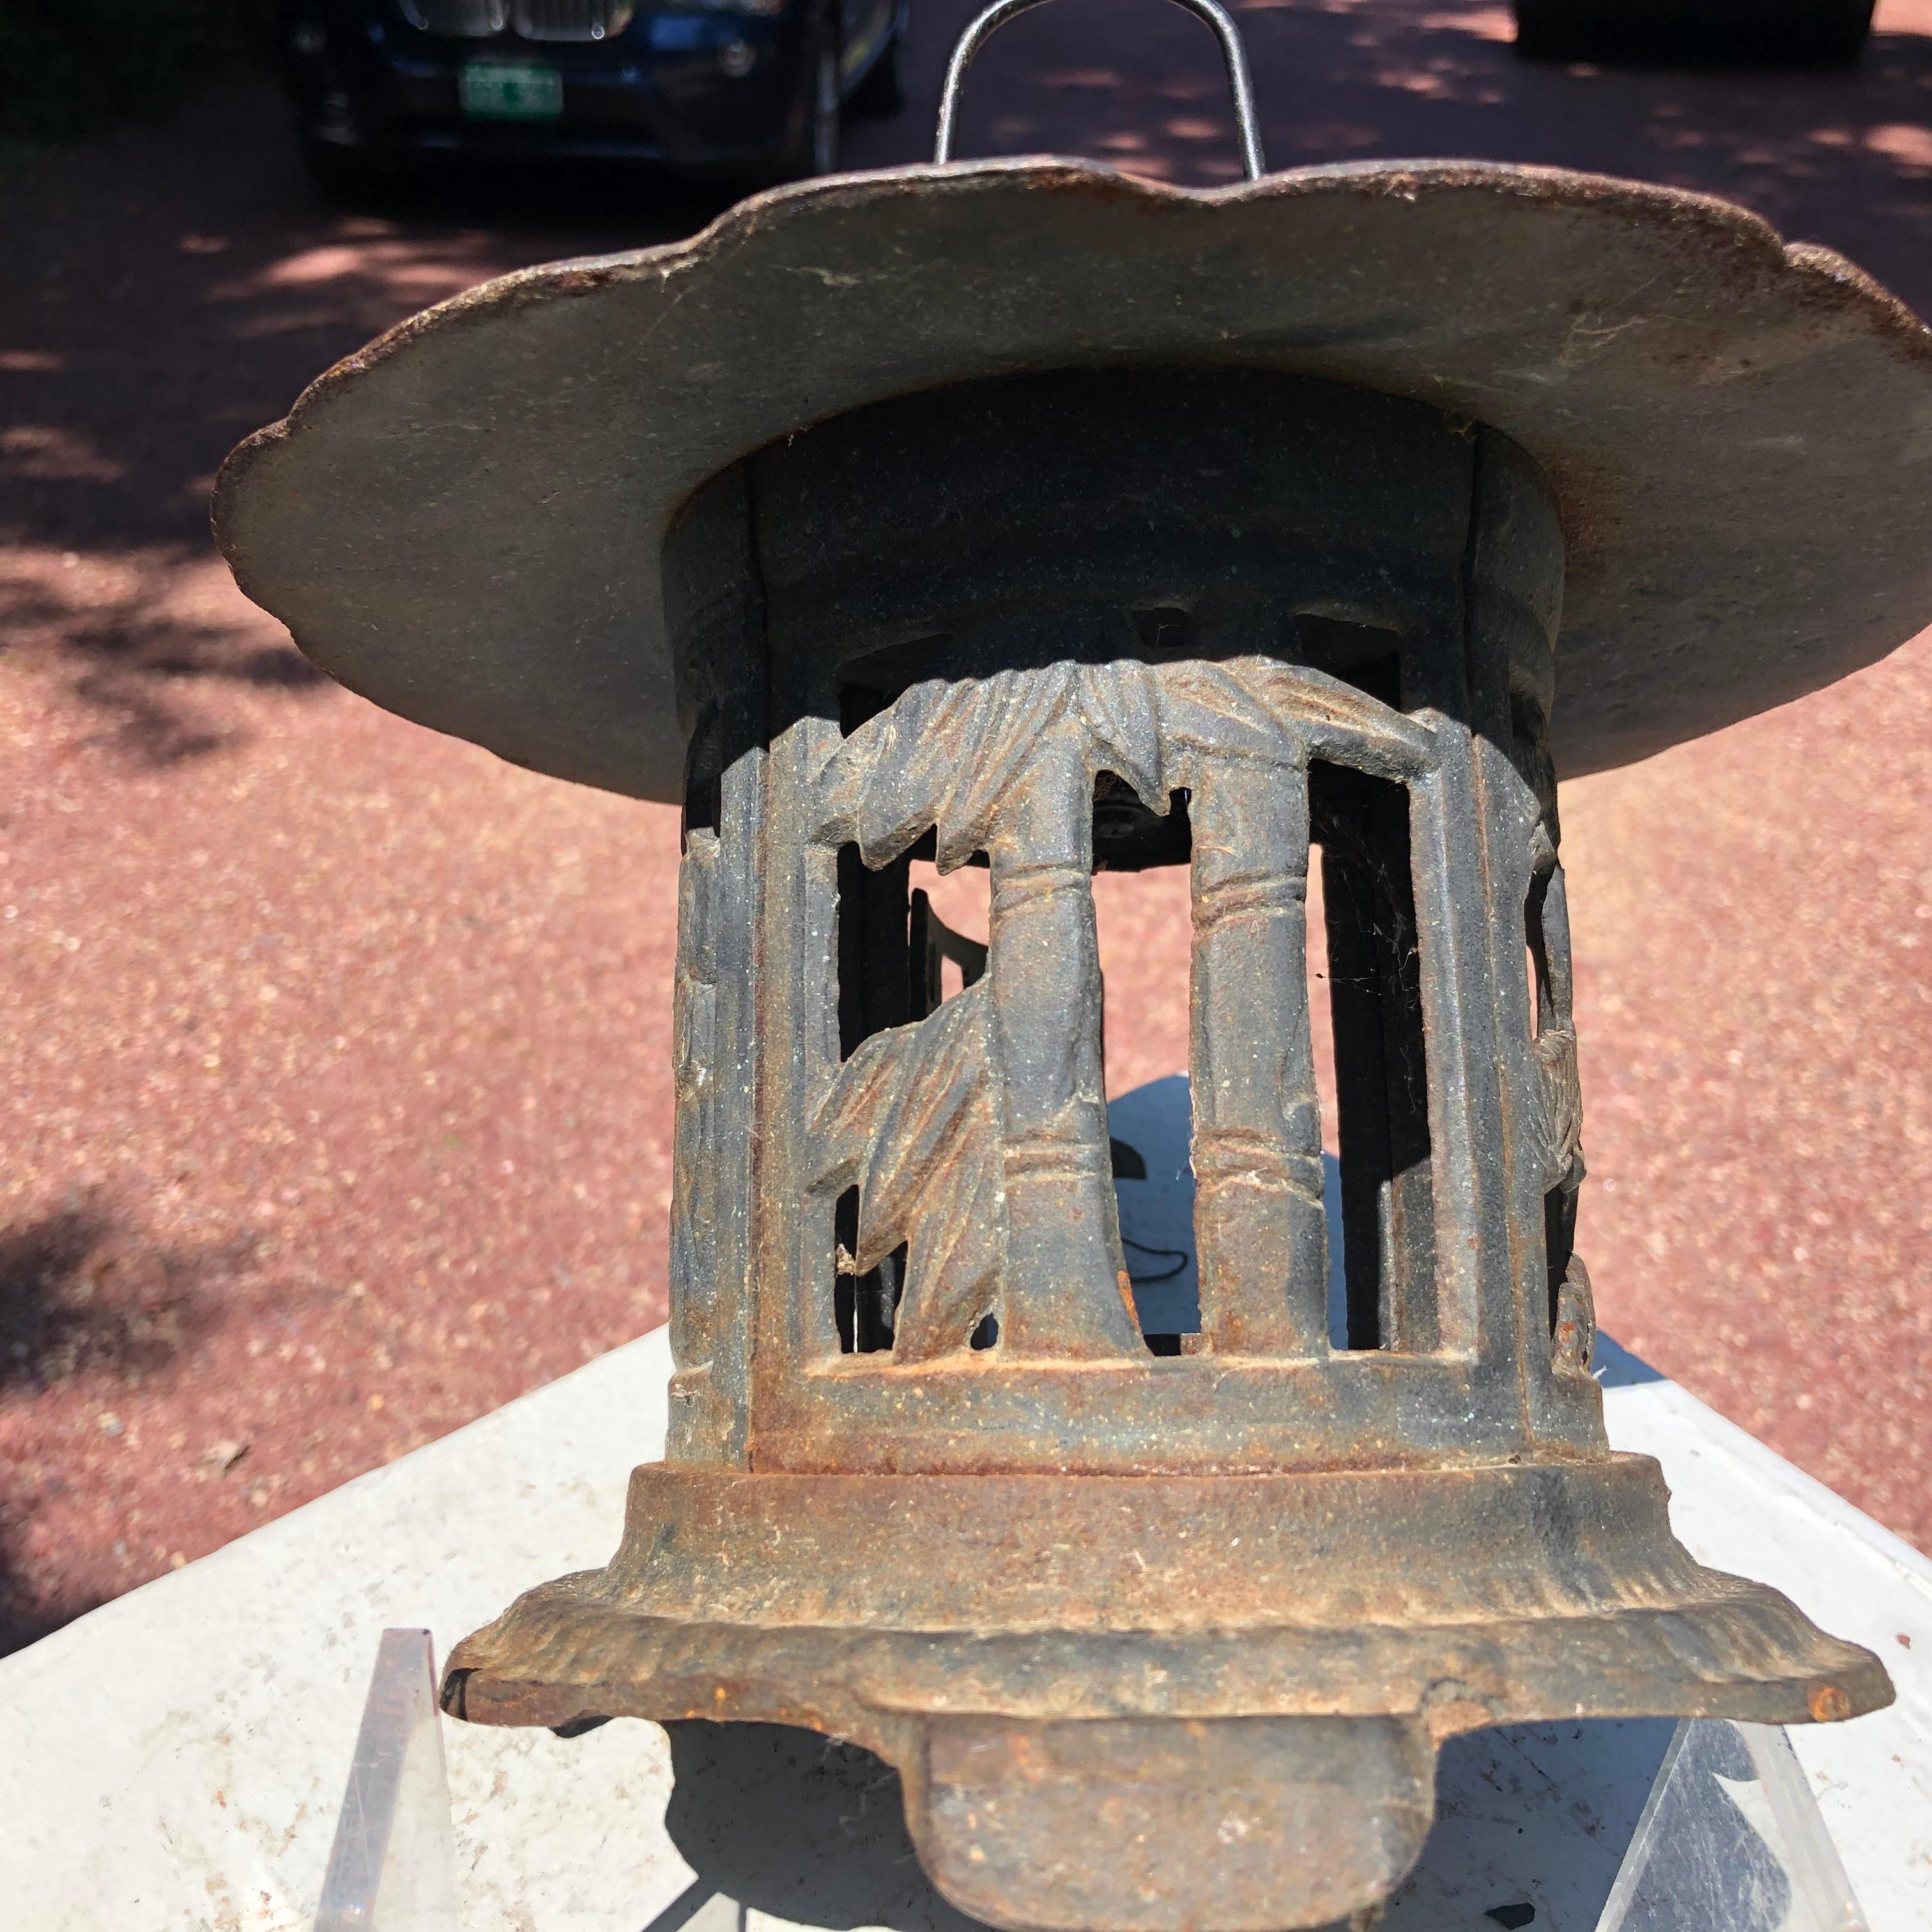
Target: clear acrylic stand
<point>1531,1822</point>
<point>393,1866</point>
<point>1731,1840</point>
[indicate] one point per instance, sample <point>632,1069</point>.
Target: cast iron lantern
<point>1023,514</point>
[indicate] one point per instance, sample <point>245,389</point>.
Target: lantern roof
<point>463,521</point>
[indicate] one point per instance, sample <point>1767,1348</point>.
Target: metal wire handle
<point>1226,31</point>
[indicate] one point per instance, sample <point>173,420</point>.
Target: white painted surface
<point>1739,1507</point>
<point>174,1760</point>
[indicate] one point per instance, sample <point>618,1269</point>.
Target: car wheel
<point>1835,32</point>
<point>1544,31</point>
<point>883,90</point>
<point>813,148</point>
<point>345,175</point>
<point>825,106</point>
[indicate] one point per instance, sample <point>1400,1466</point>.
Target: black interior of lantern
<point>1547,1008</point>
<point>1361,824</point>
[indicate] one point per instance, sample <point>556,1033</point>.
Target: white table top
<point>175,1759</point>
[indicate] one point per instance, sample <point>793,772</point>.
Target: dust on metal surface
<point>1161,1630</point>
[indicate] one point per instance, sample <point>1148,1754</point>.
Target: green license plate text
<point>511,91</point>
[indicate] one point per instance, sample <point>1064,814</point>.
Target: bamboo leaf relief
<point>1561,1095</point>
<point>957,755</point>
<point>978,1137</point>
<point>913,1116</point>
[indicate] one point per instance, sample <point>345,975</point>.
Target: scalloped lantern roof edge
<point>463,521</point>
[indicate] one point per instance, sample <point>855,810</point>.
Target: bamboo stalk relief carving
<point>996,1111</point>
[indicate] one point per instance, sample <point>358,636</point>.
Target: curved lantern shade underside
<point>463,521</point>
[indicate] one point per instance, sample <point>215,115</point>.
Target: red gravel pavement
<point>339,1100</point>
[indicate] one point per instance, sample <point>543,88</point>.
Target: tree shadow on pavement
<point>170,291</point>
<point>86,1301</point>
<point>132,662</point>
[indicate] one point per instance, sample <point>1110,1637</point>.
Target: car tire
<point>345,175</point>
<point>1820,33</point>
<point>813,149</point>
<point>1544,31</point>
<point>1834,34</point>
<point>883,90</point>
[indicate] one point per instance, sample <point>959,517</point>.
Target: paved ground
<point>339,1109</point>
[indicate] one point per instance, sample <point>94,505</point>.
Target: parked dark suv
<point>747,89</point>
<point>1825,32</point>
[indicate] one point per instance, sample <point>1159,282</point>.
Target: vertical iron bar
<point>1260,1231</point>
<point>1066,1292</point>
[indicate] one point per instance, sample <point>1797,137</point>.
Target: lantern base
<point>1096,1688</point>
<point>1144,1824</point>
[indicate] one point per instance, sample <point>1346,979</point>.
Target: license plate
<point>511,91</point>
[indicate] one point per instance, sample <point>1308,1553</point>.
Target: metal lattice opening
<point>898,960</point>
<point>1553,1044</point>
<point>1373,962</point>
<point>1141,900</point>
